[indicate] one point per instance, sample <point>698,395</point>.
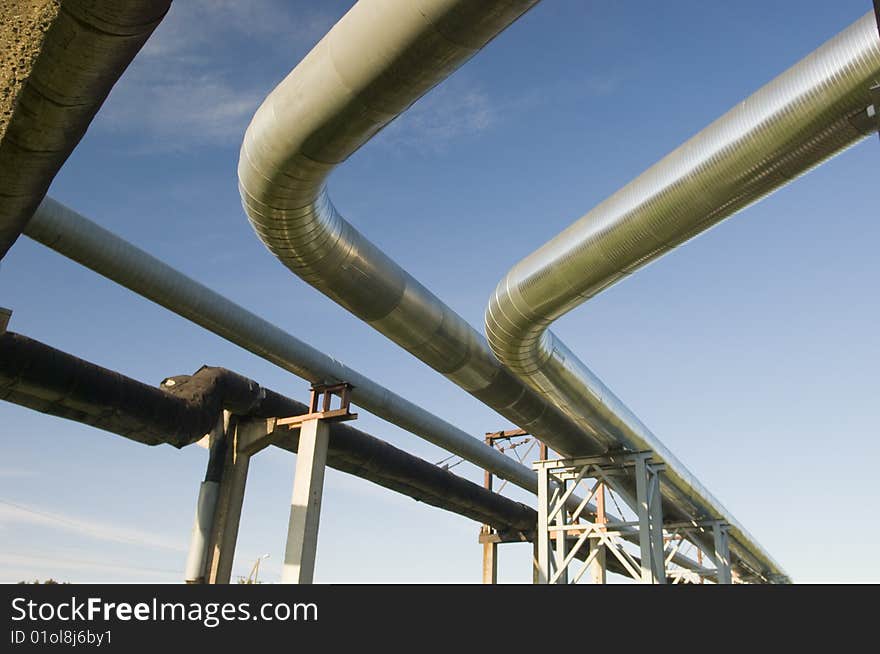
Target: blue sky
<point>751,352</point>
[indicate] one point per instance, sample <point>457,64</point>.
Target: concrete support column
<point>221,550</point>
<point>305,509</point>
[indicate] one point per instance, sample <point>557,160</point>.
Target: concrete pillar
<point>224,535</point>
<point>305,509</point>
<point>490,562</point>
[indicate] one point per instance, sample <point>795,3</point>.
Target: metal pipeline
<point>48,380</point>
<point>806,115</point>
<point>335,100</point>
<point>80,239</point>
<point>87,47</point>
<point>186,407</point>
<point>76,237</point>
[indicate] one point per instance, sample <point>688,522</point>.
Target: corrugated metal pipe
<point>806,115</point>
<point>78,238</point>
<point>346,89</point>
<point>86,48</point>
<point>349,87</point>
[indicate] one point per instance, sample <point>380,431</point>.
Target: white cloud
<point>15,473</point>
<point>188,88</point>
<point>193,23</point>
<point>183,111</point>
<point>451,111</point>
<point>12,513</point>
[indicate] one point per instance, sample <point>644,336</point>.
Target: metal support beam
<point>598,570</point>
<point>561,477</point>
<point>490,548</point>
<point>206,505</point>
<point>561,563</point>
<point>720,531</point>
<point>542,537</point>
<point>305,510</point>
<point>535,567</point>
<point>491,538</point>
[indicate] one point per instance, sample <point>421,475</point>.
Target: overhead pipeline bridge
<point>593,449</point>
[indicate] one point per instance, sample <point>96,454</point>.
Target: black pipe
<point>45,379</point>
<point>186,407</point>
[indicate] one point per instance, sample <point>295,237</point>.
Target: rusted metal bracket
<point>320,405</point>
<point>490,537</point>
<point>320,408</point>
<point>5,315</point>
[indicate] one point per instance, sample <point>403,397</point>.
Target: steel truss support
<point>719,555</point>
<point>556,523</point>
<point>722,552</point>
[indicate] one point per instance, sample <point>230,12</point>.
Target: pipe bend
<point>794,123</point>
<point>342,93</point>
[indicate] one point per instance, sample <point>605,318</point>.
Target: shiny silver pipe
<point>80,239</point>
<point>76,237</point>
<point>335,100</point>
<point>806,115</point>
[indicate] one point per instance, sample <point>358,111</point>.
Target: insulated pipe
<point>87,47</point>
<point>80,239</point>
<point>806,115</point>
<point>45,379</point>
<point>42,378</point>
<point>355,81</point>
